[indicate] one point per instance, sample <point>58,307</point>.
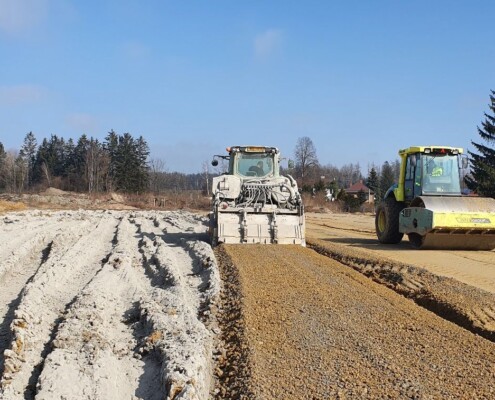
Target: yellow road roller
<point>428,206</point>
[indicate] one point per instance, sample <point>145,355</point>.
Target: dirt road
<point>312,328</point>
<point>475,268</point>
<point>105,305</point>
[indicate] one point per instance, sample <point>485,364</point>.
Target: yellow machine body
<point>450,222</point>
<point>430,208</point>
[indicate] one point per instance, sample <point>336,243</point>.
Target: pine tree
<point>482,178</point>
<point>111,144</point>
<point>143,178</point>
<point>58,148</point>
<point>79,162</point>
<point>387,178</point>
<point>373,182</point>
<point>40,164</point>
<point>50,160</point>
<point>129,163</point>
<point>28,157</point>
<point>69,163</point>
<point>126,163</point>
<point>3,172</point>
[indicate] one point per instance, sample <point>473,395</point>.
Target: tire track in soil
<point>100,343</point>
<point>147,339</point>
<point>22,243</point>
<point>12,282</point>
<point>475,268</point>
<point>189,253</point>
<point>20,229</point>
<point>159,284</point>
<point>464,305</point>
<point>175,254</point>
<point>27,239</point>
<point>74,259</point>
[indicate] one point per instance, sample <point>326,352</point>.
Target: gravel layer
<point>309,327</point>
<point>467,306</point>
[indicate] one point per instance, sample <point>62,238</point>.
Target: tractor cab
<point>253,161</point>
<point>248,162</point>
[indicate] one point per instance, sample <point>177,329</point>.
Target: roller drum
<point>465,223</point>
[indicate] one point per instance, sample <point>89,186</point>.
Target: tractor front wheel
<point>387,221</point>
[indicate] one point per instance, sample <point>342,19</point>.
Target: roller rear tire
<point>387,221</point>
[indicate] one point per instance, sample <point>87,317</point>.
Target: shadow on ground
<point>372,244</point>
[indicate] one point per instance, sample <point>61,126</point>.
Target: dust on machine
<point>252,202</point>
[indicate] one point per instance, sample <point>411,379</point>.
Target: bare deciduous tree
<point>46,172</point>
<point>157,176</point>
<point>305,157</point>
<point>350,174</point>
<point>206,172</point>
<point>10,171</point>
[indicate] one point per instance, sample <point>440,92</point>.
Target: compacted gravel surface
<point>308,327</point>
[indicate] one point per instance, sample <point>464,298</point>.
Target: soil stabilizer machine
<point>427,204</point>
<point>252,203</point>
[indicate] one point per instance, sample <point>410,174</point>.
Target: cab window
<point>254,165</point>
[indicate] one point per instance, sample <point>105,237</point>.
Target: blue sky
<point>360,78</point>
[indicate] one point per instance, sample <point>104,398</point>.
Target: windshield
<point>441,174</point>
<point>254,164</point>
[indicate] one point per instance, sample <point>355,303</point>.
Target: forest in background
<point>121,163</point>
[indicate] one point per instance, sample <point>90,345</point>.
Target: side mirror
<point>214,163</point>
<point>290,164</point>
<point>465,162</point>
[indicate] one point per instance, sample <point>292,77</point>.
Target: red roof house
<point>357,187</point>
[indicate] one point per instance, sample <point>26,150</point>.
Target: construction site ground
<point>135,304</point>
<point>357,231</point>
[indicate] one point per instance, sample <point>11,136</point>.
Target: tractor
<point>252,202</point>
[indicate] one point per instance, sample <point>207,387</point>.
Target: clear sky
<point>360,78</point>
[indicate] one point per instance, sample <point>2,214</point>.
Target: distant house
<point>353,190</point>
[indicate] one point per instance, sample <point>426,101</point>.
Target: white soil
<point>106,304</point>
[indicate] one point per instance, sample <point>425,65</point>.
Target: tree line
<point>119,163</point>
<point>312,176</point>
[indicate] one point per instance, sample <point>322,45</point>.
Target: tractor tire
<point>387,221</point>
